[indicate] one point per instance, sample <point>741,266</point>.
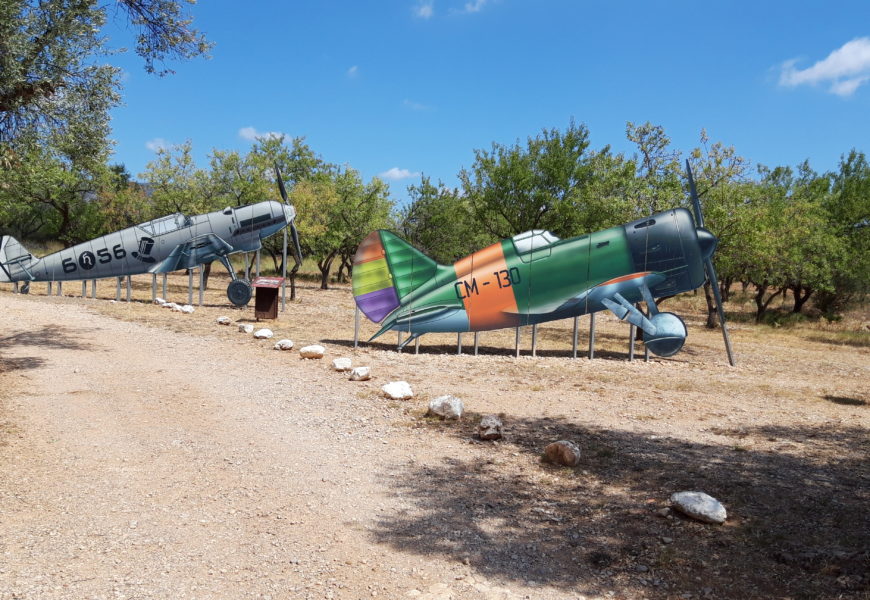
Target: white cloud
<point>473,7</point>
<point>157,144</point>
<point>425,10</point>
<point>396,173</point>
<point>252,135</point>
<point>846,69</point>
<point>415,105</point>
<point>353,72</point>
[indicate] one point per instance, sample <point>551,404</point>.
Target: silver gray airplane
<point>170,243</point>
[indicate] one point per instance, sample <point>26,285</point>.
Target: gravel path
<point>141,463</point>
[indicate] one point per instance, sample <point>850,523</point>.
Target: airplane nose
<point>707,241</point>
<point>289,213</point>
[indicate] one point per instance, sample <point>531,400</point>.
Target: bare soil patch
<point>393,502</point>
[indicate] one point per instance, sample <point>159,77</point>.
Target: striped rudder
<point>385,270</point>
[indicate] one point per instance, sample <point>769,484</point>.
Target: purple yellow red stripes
<point>373,288</point>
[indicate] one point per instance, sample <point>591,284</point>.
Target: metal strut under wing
<point>195,252</point>
<point>626,311</point>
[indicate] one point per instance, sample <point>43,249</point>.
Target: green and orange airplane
<point>535,277</point>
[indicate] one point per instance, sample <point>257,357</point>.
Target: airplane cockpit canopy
<point>166,224</point>
<point>534,239</point>
<point>534,244</point>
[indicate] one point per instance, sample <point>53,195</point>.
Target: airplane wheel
<point>25,289</point>
<point>669,337</point>
<point>239,291</point>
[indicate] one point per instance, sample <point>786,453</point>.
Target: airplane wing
<point>200,249</point>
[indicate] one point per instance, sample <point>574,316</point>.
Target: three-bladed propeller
<point>297,252</point>
<point>708,261</point>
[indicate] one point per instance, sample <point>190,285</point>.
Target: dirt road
<point>140,463</point>
<point>186,460</point>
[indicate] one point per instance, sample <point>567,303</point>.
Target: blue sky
<point>401,87</point>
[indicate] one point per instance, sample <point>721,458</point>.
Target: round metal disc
<point>239,292</point>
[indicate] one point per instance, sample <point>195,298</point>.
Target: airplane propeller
<point>297,252</point>
<point>705,236</point>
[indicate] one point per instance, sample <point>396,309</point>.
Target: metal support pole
<point>399,341</point>
<point>201,283</point>
<point>417,346</point>
<point>631,334</point>
<point>476,339</point>
<point>535,339</point>
<point>60,288</point>
<point>84,288</point>
<point>258,263</point>
<point>517,343</point>
<point>591,336</point>
<point>153,287</point>
<point>117,289</point>
<point>129,288</point>
<point>49,289</point>
<point>190,286</point>
<point>15,288</point>
<point>355,326</point>
<point>576,331</point>
<point>284,273</point>
<point>164,286</point>
<point>93,288</point>
<point>645,354</point>
<point>459,343</point>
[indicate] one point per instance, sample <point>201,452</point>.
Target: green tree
<point>848,210</point>
<point>52,190</point>
<point>659,173</point>
<point>718,171</point>
<point>513,188</point>
<point>440,222</point>
<point>51,79</point>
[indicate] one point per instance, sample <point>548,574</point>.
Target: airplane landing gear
<point>239,292</point>
<point>25,289</point>
<point>669,337</point>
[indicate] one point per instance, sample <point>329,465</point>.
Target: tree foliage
<point>53,78</point>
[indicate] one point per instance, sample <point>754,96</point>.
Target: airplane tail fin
<point>14,260</point>
<point>386,269</point>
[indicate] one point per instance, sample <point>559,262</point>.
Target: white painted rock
<point>700,506</point>
<point>169,305</point>
<point>284,345</point>
<point>446,407</point>
<point>187,309</point>
<point>224,321</point>
<point>361,374</point>
<point>398,390</point>
<point>342,364</point>
<point>263,334</point>
<point>159,301</point>
<point>563,452</point>
<point>178,308</point>
<point>246,328</point>
<point>313,351</point>
<point>490,428</point>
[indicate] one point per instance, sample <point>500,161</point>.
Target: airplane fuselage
<point>535,277</point>
<point>145,247</point>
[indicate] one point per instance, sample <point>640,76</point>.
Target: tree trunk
<point>725,288</point>
<point>206,271</point>
<point>325,265</point>
<point>712,314</point>
<point>799,298</point>
<point>760,303</point>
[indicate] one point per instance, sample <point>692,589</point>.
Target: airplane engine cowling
<point>669,337</point>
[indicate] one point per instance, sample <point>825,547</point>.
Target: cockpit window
<point>166,224</point>
<point>533,240</point>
